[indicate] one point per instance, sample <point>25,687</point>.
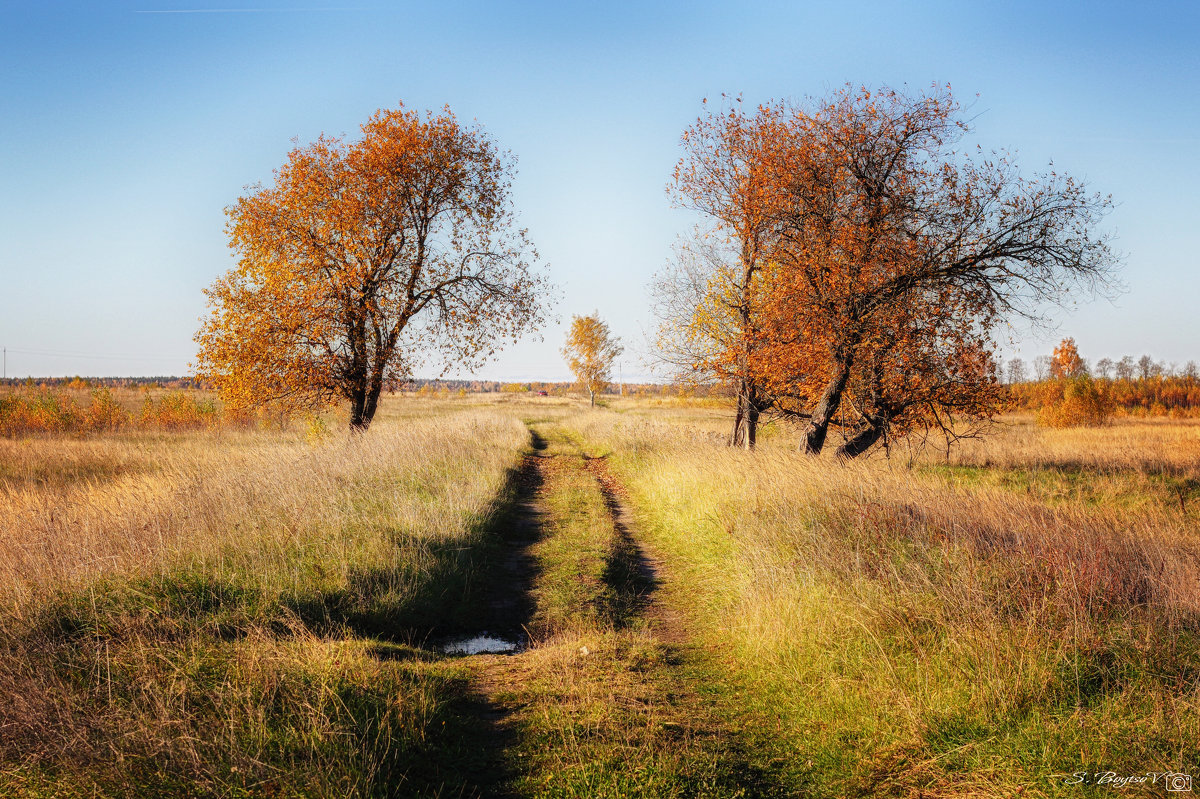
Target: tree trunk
<point>818,426</point>
<point>593,393</point>
<point>751,422</point>
<point>748,412</point>
<point>863,441</point>
<point>737,435</point>
<point>357,375</point>
<point>358,407</point>
<point>371,403</point>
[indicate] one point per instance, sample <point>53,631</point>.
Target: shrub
<point>1074,402</point>
<point>46,412</point>
<point>105,413</point>
<point>177,410</point>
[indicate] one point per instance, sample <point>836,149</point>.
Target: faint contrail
<point>242,10</point>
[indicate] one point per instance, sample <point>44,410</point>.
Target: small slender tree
<point>590,351</point>
<point>724,175</point>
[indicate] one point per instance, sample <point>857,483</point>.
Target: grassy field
<point>251,612</point>
<point>979,627</point>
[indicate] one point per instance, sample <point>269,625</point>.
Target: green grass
<point>603,705</point>
<point>869,656</point>
<point>1057,485</point>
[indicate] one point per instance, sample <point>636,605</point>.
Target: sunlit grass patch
<point>896,635</point>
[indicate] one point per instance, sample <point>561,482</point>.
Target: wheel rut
<point>640,672</point>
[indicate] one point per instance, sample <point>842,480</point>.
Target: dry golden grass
<point>206,605</point>
<point>74,509</point>
<point>1149,444</point>
<point>210,612</point>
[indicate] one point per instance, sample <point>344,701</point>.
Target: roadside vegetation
<point>257,612</point>
<point>904,631</point>
<point>234,613</point>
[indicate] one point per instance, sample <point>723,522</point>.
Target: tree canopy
<point>877,259</point>
<point>366,258</point>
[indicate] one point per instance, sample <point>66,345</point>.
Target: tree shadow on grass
<point>462,753</point>
<point>478,584</point>
<point>628,575</point>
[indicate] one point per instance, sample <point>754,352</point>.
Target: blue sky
<point>123,135</point>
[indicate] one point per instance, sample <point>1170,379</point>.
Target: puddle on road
<point>480,645</point>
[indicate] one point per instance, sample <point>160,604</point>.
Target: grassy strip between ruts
<point>281,662</point>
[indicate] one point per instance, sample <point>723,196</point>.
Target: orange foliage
<point>1176,396</point>
<point>708,302</point>
<point>49,412</point>
<point>176,410</point>
<point>869,261</point>
<point>1077,401</point>
<point>105,414</point>
<point>1066,363</point>
<point>362,258</point>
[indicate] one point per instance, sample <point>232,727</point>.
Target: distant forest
<point>417,385</point>
<point>1140,387</point>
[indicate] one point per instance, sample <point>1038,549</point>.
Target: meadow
<point>254,609</point>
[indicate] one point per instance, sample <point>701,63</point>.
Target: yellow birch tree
<point>590,351</point>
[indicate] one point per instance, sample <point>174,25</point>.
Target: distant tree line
<point>82,383</point>
<point>1140,387</point>
<point>412,385</point>
<point>1016,370</point>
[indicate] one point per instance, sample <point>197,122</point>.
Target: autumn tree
<point>1065,362</point>
<point>365,258</point>
<point>590,352</point>
<point>707,300</point>
<point>1074,402</point>
<point>870,260</point>
<point>1071,398</point>
<point>878,217</point>
<point>926,369</point>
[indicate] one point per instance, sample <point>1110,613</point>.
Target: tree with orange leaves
<point>890,257</point>
<point>1066,363</point>
<point>366,257</point>
<point>707,300</point>
<point>879,215</point>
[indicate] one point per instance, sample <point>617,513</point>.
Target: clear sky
<point>127,126</point>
